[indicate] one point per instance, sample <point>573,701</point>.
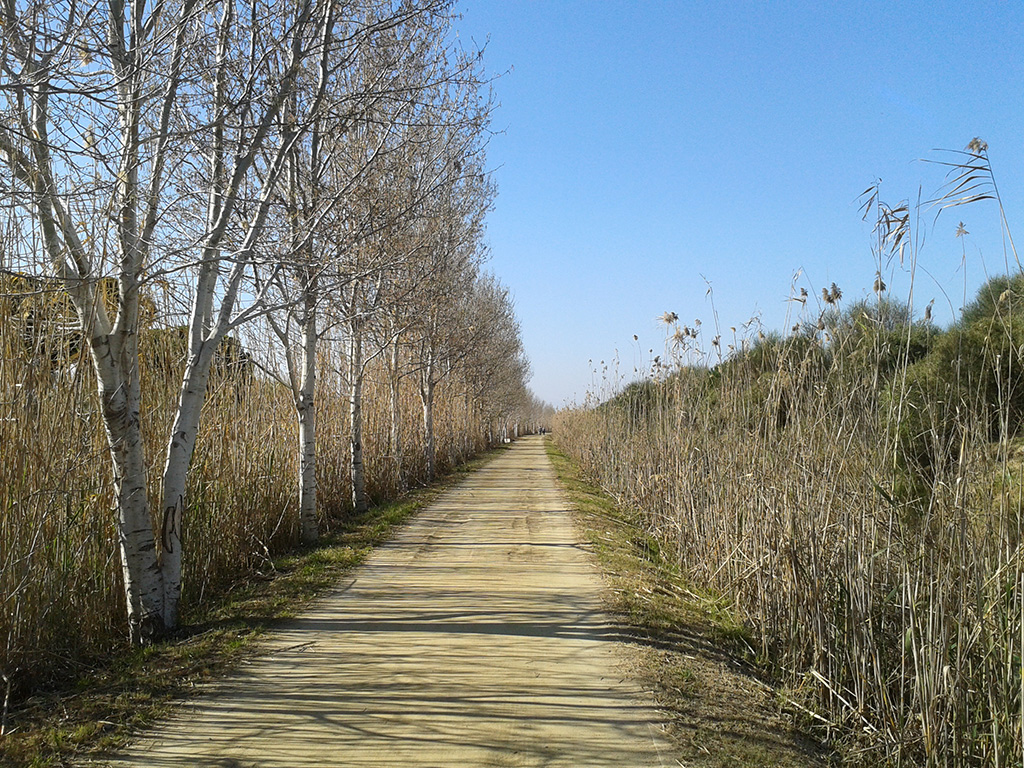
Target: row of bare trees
<point>310,173</point>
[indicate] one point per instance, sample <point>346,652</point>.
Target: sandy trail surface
<point>474,638</point>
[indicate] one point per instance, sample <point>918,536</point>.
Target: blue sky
<point>648,146</point>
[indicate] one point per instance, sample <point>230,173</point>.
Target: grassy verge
<point>134,689</point>
<point>692,651</point>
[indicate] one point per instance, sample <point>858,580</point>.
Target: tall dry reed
<point>61,595</point>
<point>867,527</point>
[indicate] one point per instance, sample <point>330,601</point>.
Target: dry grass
<point>108,703</point>
<point>692,651</point>
<point>62,609</point>
<point>867,535</point>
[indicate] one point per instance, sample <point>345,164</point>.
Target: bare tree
<point>107,109</point>
<point>395,210</point>
<point>443,332</point>
<point>496,369</point>
<point>90,171</point>
<point>324,177</point>
<point>340,274</point>
<point>239,120</point>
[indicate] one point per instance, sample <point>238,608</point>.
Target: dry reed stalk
<point>896,609</point>
<point>60,592</point>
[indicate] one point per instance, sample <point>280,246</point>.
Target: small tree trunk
<point>355,360</point>
<point>427,398</point>
<point>470,435</point>
<point>305,406</point>
<point>395,434</point>
<point>179,456</point>
<point>143,581</point>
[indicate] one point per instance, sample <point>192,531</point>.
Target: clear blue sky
<point>647,144</point>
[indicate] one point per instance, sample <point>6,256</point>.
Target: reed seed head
<point>831,295</point>
<point>977,147</point>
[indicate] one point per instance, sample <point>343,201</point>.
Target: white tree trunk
<point>427,398</point>
<point>175,481</point>
<point>355,361</point>
<point>395,434</point>
<point>306,408</point>
<point>143,581</point>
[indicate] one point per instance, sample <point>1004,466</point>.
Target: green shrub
<point>877,337</point>
<point>971,380</point>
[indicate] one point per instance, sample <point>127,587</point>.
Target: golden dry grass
<point>887,594</point>
<point>60,576</point>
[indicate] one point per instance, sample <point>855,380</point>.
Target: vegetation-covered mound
<point>854,489</point>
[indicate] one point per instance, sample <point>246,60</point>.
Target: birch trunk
<point>175,481</point>
<point>121,395</point>
<point>395,434</point>
<point>427,398</point>
<point>355,361</point>
<point>184,431</point>
<point>306,408</point>
<point>143,581</point>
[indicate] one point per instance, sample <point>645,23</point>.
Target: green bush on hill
<point>971,381</point>
<point>878,336</point>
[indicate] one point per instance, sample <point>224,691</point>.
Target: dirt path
<point>475,638</point>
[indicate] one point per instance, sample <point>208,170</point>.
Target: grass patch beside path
<point>692,652</point>
<point>107,705</point>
